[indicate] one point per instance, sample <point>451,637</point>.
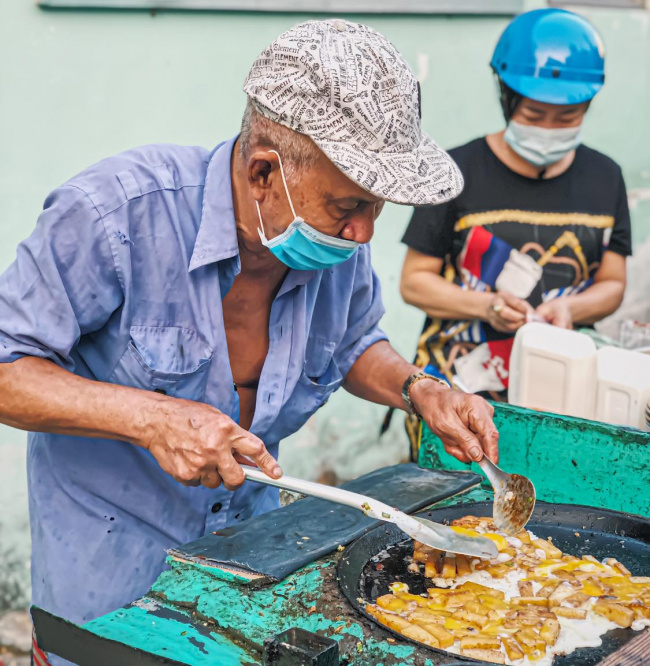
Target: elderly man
<point>177,312</point>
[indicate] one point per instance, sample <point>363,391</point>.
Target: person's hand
<point>556,312</point>
<point>199,445</point>
<point>506,313</point>
<point>462,421</point>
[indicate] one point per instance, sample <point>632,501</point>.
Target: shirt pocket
<point>320,374</point>
<point>166,359</point>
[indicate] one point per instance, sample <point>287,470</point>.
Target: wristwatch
<point>408,385</point>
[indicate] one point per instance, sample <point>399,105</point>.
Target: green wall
<point>76,86</point>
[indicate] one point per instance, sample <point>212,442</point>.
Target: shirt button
<point>216,507</point>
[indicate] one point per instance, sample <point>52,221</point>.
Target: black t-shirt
<point>538,239</point>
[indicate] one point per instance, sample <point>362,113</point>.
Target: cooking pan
<point>378,558</point>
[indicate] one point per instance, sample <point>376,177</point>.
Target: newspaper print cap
<point>348,88</point>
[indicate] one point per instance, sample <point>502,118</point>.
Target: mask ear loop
<point>284,182</point>
<point>261,231</point>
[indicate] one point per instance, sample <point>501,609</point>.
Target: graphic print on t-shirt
<point>552,264</point>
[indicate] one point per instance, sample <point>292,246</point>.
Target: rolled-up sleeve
<point>366,310</point>
<point>62,285</point>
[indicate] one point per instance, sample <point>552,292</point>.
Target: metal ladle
<point>514,497</point>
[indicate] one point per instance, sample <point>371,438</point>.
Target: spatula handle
<point>371,507</point>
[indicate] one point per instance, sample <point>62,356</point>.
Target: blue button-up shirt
<point>122,282</point>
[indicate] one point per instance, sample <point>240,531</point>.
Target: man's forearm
<point>38,395</point>
<point>379,374</point>
<point>599,301</point>
<point>462,421</point>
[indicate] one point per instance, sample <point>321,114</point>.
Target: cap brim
<point>551,91</point>
<point>425,176</point>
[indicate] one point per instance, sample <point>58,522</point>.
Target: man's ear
<point>263,168</point>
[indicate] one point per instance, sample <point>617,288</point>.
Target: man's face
<point>323,196</point>
<point>549,116</point>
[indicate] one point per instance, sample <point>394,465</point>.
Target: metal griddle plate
<point>602,534</point>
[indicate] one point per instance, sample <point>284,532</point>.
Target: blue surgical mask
<point>541,146</point>
<point>302,247</point>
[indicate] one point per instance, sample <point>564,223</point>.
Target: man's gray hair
<point>298,151</point>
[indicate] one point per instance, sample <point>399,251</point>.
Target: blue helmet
<point>552,56</point>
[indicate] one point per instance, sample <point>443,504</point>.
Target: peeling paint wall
<point>76,86</point>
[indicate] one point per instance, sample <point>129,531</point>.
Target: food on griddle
<point>523,607</point>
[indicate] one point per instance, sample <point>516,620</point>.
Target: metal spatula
<point>427,532</point>
<point>514,497</point>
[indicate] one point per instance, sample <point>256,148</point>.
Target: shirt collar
<point>217,236</point>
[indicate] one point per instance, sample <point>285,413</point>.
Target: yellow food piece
<point>550,631</point>
<point>477,607</point>
<point>444,637</point>
<point>615,612</point>
<point>593,588</point>
<point>525,588</point>
<point>530,601</point>
<point>449,567</point>
<point>494,656</point>
<point>418,633</point>
<point>428,616</point>
<point>562,592</point>
<point>551,551</point>
<point>462,565</point>
<point>395,622</point>
<point>493,603</point>
<point>477,588</point>
<point>423,602</point>
<point>577,600</point>
<point>547,567</point>
<point>641,612</point>
<point>494,628</point>
<point>392,603</point>
<point>460,600</point>
<point>456,624</point>
<point>397,588</point>
<point>513,650</point>
<point>548,589</point>
<point>615,564</point>
<point>531,643</point>
<point>430,570</point>
<point>469,616</point>
<point>499,570</point>
<point>572,613</point>
<point>480,642</point>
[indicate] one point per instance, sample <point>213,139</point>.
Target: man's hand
<point>506,313</point>
<point>462,421</point>
<point>556,312</point>
<point>199,445</point>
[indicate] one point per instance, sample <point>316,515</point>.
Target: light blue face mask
<point>539,145</point>
<point>302,247</point>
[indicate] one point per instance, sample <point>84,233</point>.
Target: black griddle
<point>602,533</point>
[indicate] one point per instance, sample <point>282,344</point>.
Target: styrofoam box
<point>553,370</point>
<point>623,391</point>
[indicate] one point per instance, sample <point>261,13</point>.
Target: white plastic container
<point>553,370</point>
<point>623,392</point>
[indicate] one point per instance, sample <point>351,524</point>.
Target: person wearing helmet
<point>541,230</point>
